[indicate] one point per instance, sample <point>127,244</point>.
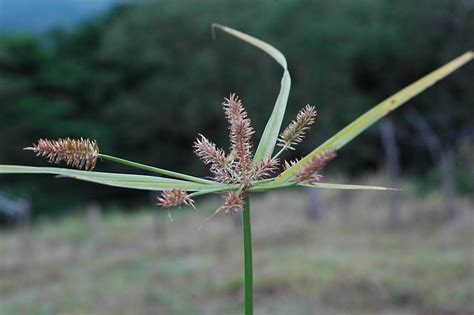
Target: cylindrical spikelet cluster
<point>240,134</point>
<point>220,165</point>
<point>264,168</point>
<point>79,153</point>
<point>295,132</point>
<point>309,174</point>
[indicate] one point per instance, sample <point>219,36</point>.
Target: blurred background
<point>144,78</point>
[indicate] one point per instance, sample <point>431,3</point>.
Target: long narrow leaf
<point>373,115</point>
<point>156,170</point>
<point>272,185</point>
<point>272,129</point>
<point>143,182</point>
<point>346,186</point>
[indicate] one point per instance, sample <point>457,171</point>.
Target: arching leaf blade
<point>272,129</point>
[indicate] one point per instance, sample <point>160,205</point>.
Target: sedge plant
<point>241,171</point>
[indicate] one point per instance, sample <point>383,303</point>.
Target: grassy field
<point>346,263</point>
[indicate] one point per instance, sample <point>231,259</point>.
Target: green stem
<point>155,169</point>
<point>280,152</point>
<point>248,277</point>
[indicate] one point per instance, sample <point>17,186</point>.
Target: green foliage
<point>130,181</point>
<point>153,70</point>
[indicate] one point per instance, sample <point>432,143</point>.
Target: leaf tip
<point>213,29</point>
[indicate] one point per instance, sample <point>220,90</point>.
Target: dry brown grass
<point>347,263</point>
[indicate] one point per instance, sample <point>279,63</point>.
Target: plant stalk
<point>248,273</point>
<point>156,169</point>
<point>280,152</point>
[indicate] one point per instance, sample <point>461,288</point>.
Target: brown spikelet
<point>175,197</point>
<point>290,163</point>
<point>79,153</point>
<point>264,168</point>
<point>295,132</point>
<point>309,173</point>
<point>208,152</point>
<point>233,108</point>
<point>220,164</point>
<point>233,203</point>
<point>240,135</point>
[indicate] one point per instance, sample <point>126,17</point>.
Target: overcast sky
<point>40,15</point>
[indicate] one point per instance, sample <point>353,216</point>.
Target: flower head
<point>233,203</point>
<point>220,165</point>
<point>309,174</point>
<point>237,167</point>
<point>79,153</point>
<point>240,135</point>
<point>264,168</point>
<point>175,197</point>
<point>294,133</point>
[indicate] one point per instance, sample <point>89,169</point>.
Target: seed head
<point>309,173</point>
<point>233,203</point>
<point>295,132</point>
<point>220,164</point>
<point>175,197</point>
<point>240,134</point>
<point>264,168</point>
<point>233,108</point>
<point>208,152</point>
<point>80,153</point>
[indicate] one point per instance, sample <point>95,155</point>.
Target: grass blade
<point>373,115</point>
<point>272,129</point>
<point>133,181</point>
<point>347,186</point>
<point>156,169</point>
<point>261,187</point>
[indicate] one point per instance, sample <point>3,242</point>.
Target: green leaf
<point>373,115</point>
<point>260,187</point>
<point>346,186</point>
<point>272,129</point>
<point>142,182</point>
<point>156,169</point>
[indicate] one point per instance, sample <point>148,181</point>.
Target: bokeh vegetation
<point>146,78</point>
